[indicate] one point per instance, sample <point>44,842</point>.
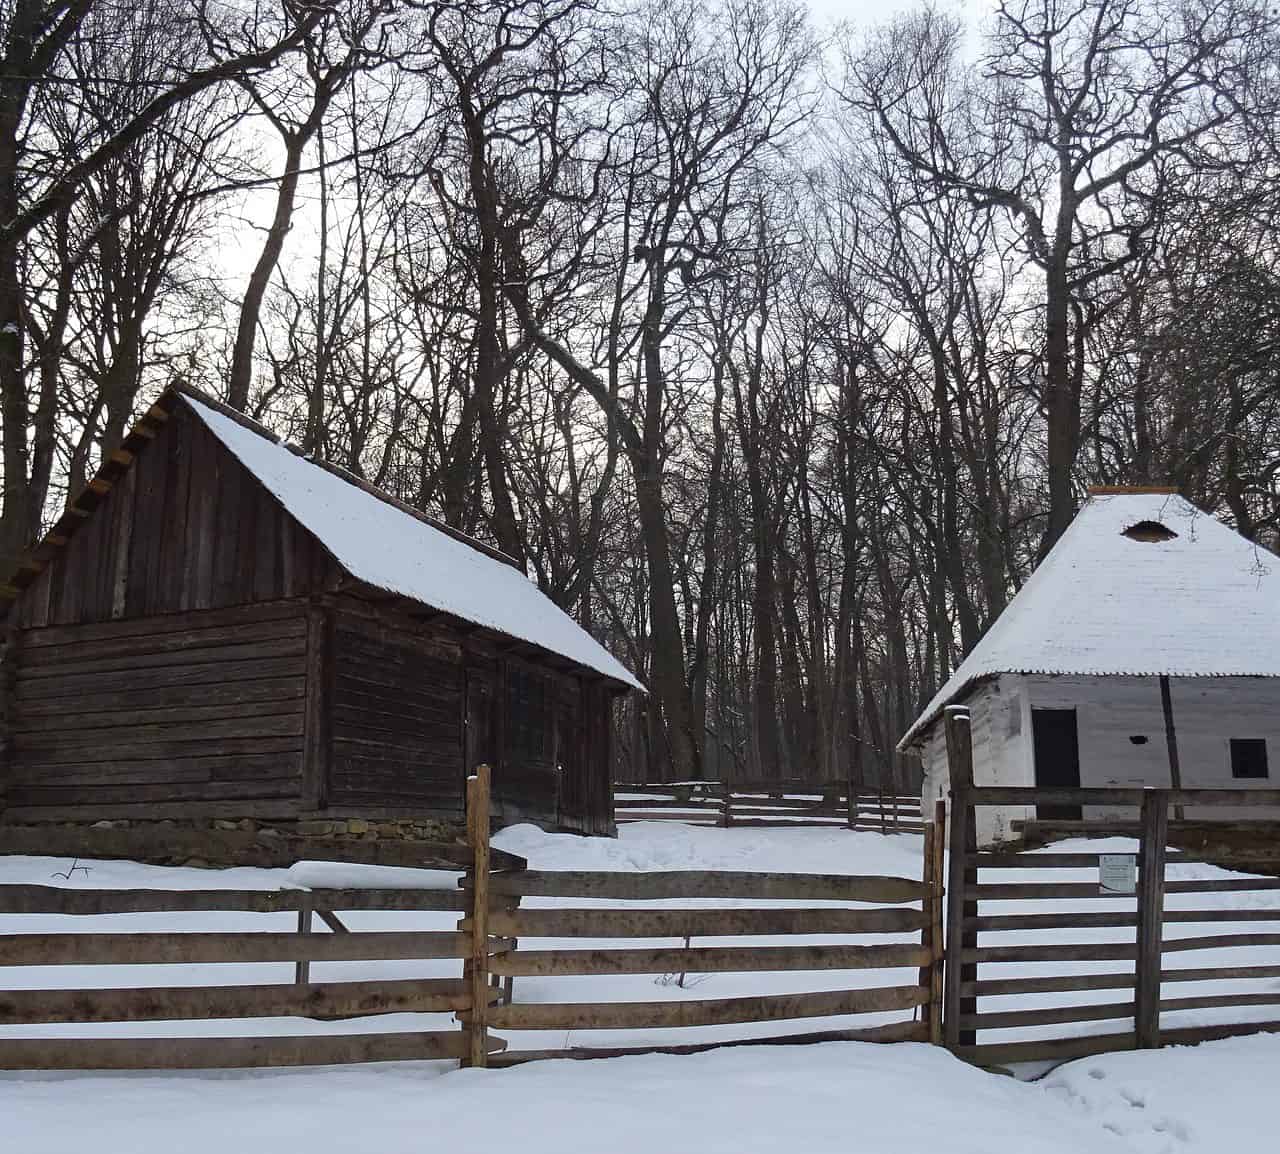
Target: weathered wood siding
<point>186,528</point>
<point>525,784</point>
<point>396,719</point>
<point>188,648</point>
<point>586,754</point>
<point>131,715</point>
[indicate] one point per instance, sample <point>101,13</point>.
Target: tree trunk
<point>251,308</point>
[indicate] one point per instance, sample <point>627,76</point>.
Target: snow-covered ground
<point>813,1098</point>
<point>834,1097</point>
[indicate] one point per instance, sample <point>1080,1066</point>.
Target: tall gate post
<point>935,838</point>
<point>960,876</point>
<point>476,968</point>
<point>1151,851</point>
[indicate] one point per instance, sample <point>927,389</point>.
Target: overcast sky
<point>865,12</point>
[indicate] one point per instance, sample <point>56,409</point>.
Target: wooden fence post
<point>960,876</point>
<point>927,939</point>
<point>937,849</point>
<point>931,934</point>
<point>726,818</point>
<point>1151,849</point>
<point>896,763</point>
<point>477,966</point>
<point>306,909</point>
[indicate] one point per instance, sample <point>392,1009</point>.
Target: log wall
<point>204,707</point>
<point>180,640</point>
<point>397,716</point>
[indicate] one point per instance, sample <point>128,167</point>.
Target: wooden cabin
<point>1144,651</point>
<point>221,628</point>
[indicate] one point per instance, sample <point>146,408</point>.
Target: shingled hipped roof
<point>1116,596</point>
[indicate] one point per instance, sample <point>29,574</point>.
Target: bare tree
<point>1075,108</point>
<point>38,182</point>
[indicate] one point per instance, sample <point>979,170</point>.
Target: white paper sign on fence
<point>1117,873</point>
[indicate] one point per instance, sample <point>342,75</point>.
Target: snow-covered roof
<point>391,549</point>
<point>1203,603</point>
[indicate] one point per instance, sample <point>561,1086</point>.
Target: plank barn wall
<point>191,650</point>
<point>186,528</point>
<point>415,705</point>
<point>396,715</point>
<point>160,656</point>
<point>158,712</point>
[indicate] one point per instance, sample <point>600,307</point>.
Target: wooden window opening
<point>1249,757</point>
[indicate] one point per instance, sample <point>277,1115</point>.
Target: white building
<point>1149,634</point>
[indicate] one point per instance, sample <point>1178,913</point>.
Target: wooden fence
<point>495,941</point>
<point>783,803</point>
<point>903,907</point>
<point>303,998</point>
<point>1098,967</point>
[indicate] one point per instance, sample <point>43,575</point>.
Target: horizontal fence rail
<point>1044,963</point>
<point>765,804</point>
<point>607,938</point>
<point>301,998</point>
<point>591,924</point>
<point>861,945</point>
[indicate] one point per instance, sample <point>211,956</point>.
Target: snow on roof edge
<point>933,713</point>
<point>1200,604</point>
<point>345,517</point>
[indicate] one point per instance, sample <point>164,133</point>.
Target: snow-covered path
<point>836,1097</point>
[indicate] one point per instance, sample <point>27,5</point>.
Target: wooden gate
<point>1055,955</point>
<point>603,932</point>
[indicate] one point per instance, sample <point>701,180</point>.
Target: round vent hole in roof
<point>1149,531</point>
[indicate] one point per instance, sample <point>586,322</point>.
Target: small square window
<point>1248,757</point>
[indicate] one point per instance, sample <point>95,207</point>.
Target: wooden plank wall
<point>187,528</point>
<point>584,743</point>
<point>598,703</point>
<point>397,716</point>
<point>182,707</point>
<point>161,579</point>
<point>525,781</point>
<point>571,755</point>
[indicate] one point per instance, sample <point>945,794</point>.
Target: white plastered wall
<point>1207,713</point>
<point>1000,718</point>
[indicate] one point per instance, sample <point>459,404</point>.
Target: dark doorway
<point>481,746</point>
<point>1057,757</point>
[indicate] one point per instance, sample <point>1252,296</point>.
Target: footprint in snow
<point>1097,1074</point>
<point>1174,1129</point>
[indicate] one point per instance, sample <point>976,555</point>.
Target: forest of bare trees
<point>777,356</point>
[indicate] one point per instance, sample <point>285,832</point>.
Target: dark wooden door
<point>1056,742</point>
<point>481,744</point>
